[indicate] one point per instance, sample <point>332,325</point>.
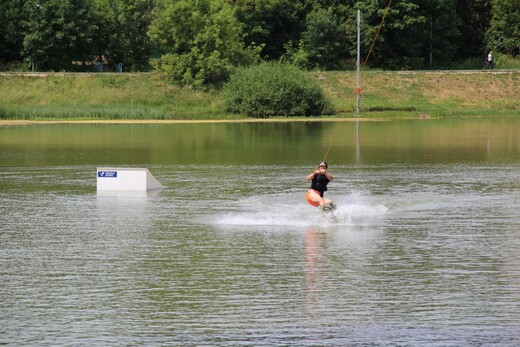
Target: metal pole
<point>358,83</point>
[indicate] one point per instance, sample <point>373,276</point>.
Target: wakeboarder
<point>319,179</point>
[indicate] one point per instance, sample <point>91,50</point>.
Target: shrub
<point>274,90</point>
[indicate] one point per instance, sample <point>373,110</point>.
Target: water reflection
<point>315,264</point>
<point>436,141</point>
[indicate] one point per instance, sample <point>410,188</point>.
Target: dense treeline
<point>201,41</point>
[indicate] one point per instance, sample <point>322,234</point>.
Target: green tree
<point>324,40</point>
<point>504,31</point>
<point>413,31</point>
<point>136,19</point>
<point>108,45</point>
<point>271,23</point>
<point>473,22</point>
<point>11,30</point>
<point>58,33</point>
<point>400,39</point>
<point>203,41</point>
<point>443,34</point>
<point>122,35</point>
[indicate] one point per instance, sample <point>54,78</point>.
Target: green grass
<point>152,96</point>
<point>425,93</point>
<point>103,96</point>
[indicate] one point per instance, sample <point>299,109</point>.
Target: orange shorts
<point>308,197</point>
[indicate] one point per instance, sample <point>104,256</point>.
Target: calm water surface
<point>424,248</point>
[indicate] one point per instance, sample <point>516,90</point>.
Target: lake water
<point>424,248</point>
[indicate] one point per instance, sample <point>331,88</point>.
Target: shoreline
<point>15,122</point>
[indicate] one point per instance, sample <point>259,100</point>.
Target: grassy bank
<point>151,96</point>
<point>435,94</point>
<point>103,96</point>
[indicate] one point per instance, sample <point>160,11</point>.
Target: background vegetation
<point>199,42</point>
<point>152,96</point>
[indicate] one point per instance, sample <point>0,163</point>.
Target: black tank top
<point>319,183</point>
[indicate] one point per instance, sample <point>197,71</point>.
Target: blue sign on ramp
<point>108,174</point>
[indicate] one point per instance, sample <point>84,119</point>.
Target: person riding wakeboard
<point>319,179</point>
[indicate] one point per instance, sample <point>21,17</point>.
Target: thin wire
<point>330,143</point>
<point>362,68</point>
<point>377,34</point>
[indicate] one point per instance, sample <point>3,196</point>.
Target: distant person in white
<point>489,60</point>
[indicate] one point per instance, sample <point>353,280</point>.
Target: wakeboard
<point>328,206</point>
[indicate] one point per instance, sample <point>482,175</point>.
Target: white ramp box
<point>126,179</point>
